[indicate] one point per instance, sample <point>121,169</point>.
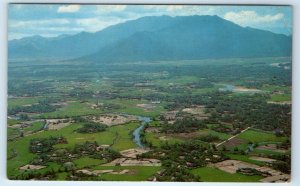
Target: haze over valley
<point>156,94</point>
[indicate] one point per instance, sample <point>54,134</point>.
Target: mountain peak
<point>159,38</point>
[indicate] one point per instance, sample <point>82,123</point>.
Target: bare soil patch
<point>56,124</point>
<point>268,160</point>
<point>243,89</point>
<point>98,172</point>
<point>60,104</point>
<point>132,153</point>
<point>102,147</point>
<point>102,171</point>
<point>269,170</point>
<point>163,138</point>
<point>125,171</point>
<point>271,147</point>
<point>152,129</point>
<point>17,126</point>
<point>280,102</point>
<point>171,115</point>
<point>198,111</point>
<point>233,142</point>
<point>112,119</point>
<point>86,172</point>
<point>146,106</point>
<point>277,179</point>
<point>231,166</point>
<point>134,162</point>
<point>275,176</point>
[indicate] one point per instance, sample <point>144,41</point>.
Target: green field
<point>260,136</point>
<point>267,152</point>
<point>222,136</point>
<point>156,139</point>
<point>86,162</point>
<point>35,126</point>
<point>72,109</point>
<point>12,121</point>
<point>13,133</point>
<point>137,173</point>
<point>276,88</point>
<point>280,97</point>
<point>209,174</point>
<point>123,136</point>
<point>127,106</point>
<point>15,102</point>
<point>130,107</point>
<point>107,137</point>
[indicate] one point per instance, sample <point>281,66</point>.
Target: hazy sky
<point>51,20</point>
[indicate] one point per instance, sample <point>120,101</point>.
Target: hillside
<point>158,38</point>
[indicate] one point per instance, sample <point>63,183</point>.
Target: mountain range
<point>157,38</point>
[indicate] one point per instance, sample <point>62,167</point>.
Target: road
<point>233,136</point>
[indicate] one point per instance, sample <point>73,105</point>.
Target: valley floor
<point>226,120</point>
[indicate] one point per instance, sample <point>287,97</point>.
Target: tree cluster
<point>92,127</point>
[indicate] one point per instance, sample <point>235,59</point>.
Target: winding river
<point>137,131</point>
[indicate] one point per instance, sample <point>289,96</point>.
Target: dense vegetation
<point>41,107</point>
<point>185,124</point>
<point>242,111</point>
<point>192,113</point>
<point>91,127</point>
<point>91,149</point>
<point>42,145</point>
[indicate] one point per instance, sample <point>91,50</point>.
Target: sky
<point>51,20</point>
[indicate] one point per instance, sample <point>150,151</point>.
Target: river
<point>137,131</point>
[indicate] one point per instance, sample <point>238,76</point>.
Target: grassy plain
<point>122,133</point>
<point>209,174</point>
<point>86,162</point>
<point>260,136</point>
<point>72,109</point>
<point>15,102</point>
<point>280,97</point>
<point>137,173</point>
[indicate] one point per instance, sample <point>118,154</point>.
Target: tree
<point>24,117</point>
<point>224,148</point>
<point>214,147</point>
